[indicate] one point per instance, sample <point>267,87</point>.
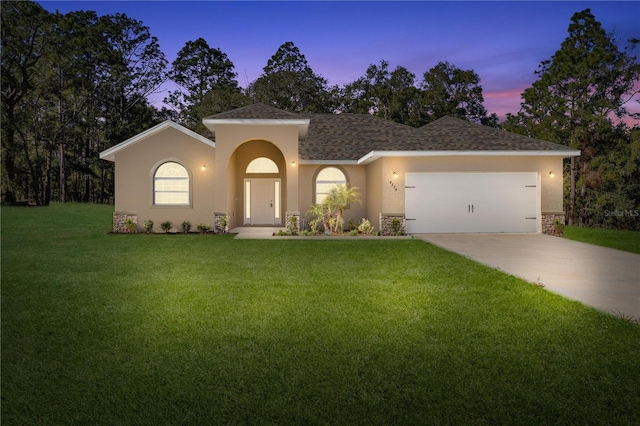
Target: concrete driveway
<point>601,277</point>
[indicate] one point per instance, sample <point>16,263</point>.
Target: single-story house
<point>265,165</point>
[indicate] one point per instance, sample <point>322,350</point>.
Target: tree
<point>585,84</point>
<point>24,26</point>
<point>289,83</point>
<point>63,102</point>
<point>199,70</point>
<point>391,95</point>
<point>448,90</point>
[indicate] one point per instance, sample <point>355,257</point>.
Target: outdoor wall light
<point>552,175</point>
<point>395,175</point>
<point>293,164</point>
<point>204,167</point>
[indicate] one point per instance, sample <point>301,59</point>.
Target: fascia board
<point>374,155</point>
<point>328,162</point>
<point>302,123</point>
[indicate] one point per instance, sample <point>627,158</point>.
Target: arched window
<point>328,178</point>
<point>262,165</point>
<point>171,185</point>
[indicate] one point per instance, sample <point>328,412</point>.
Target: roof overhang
<point>110,154</point>
<point>374,155</point>
<point>302,123</point>
<point>329,162</point>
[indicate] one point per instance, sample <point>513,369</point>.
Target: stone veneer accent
<point>216,222</point>
<point>547,222</point>
<point>120,221</point>
<point>287,215</point>
<point>385,223</point>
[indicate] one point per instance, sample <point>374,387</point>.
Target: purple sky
<point>502,41</point>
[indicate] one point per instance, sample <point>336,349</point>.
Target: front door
<point>262,202</point>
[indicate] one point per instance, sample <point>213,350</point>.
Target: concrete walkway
<point>604,278</point>
<point>255,233</point>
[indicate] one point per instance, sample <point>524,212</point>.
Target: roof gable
<point>109,154</point>
<point>350,136</point>
<point>254,112</point>
<point>258,114</point>
<point>453,134</point>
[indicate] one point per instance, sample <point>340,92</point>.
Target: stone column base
<point>287,218</point>
<point>217,228</point>
<point>386,224</point>
<point>547,223</point>
<point>120,221</point>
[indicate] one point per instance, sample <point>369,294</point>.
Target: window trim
<point>317,173</point>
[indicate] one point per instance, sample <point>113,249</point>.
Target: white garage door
<point>471,202</point>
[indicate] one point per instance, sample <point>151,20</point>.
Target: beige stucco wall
<point>228,185</point>
<point>393,201</point>
<point>375,184</point>
<point>136,165</point>
<point>220,187</point>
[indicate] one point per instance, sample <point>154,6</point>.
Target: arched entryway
<point>260,184</point>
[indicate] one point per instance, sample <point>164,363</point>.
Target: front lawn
<point>174,329</point>
<point>613,238</point>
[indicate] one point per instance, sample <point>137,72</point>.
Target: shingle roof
<point>453,134</point>
<point>255,112</point>
<point>350,136</point>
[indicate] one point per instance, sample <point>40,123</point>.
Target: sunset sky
<point>502,41</point>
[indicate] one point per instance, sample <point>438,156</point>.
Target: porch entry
<point>262,203</point>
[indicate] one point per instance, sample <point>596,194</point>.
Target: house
<point>265,165</point>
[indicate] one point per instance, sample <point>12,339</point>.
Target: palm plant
<point>340,198</point>
<point>317,214</point>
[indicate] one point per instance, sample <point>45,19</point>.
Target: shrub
<point>353,232</point>
<point>166,226</point>
<point>365,227</point>
<point>558,227</point>
<point>203,227</point>
<point>396,225</point>
<point>293,225</point>
<point>186,226</point>
<point>148,225</point>
<point>224,221</point>
<point>281,233</point>
<point>130,226</point>
<point>353,224</point>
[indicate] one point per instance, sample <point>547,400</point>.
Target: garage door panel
<point>471,202</point>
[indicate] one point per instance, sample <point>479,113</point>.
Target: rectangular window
<point>171,190</point>
<point>277,198</point>
<point>247,199</point>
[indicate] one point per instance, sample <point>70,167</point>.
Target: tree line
<point>78,83</point>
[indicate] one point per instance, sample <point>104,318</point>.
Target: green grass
<point>613,238</point>
<point>172,329</point>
